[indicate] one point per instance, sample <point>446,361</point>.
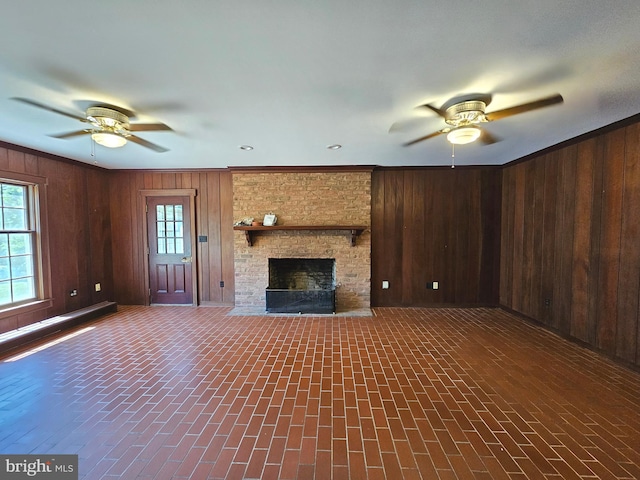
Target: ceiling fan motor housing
<point>109,120</point>
<point>466,113</point>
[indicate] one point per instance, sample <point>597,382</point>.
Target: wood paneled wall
<point>79,229</point>
<point>570,255</point>
<point>435,225</point>
<point>214,219</point>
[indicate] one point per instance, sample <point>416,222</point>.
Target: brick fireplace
<point>321,197</point>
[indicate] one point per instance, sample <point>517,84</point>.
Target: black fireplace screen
<point>301,285</point>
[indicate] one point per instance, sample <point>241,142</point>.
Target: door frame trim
<point>177,192</point>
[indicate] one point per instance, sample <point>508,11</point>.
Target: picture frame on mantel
<point>269,220</point>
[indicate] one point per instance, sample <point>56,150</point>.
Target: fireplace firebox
<point>301,285</point>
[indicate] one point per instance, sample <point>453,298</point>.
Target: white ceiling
<point>291,77</point>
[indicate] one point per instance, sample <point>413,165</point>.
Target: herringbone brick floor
<point>182,392</point>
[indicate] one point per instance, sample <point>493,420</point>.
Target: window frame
<point>37,188</point>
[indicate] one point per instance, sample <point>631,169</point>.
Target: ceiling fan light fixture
<point>107,139</point>
<point>463,135</point>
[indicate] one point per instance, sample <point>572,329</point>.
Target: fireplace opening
<point>301,285</point>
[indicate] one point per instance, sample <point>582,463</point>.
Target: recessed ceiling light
<point>335,146</point>
<point>246,147</point>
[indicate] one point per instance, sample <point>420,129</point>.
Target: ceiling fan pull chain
<point>453,155</point>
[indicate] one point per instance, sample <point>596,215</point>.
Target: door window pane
<point>170,229</point>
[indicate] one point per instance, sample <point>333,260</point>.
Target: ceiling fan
<point>464,115</point>
<point>108,126</point>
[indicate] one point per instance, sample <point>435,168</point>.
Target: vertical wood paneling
<point>125,221</point>
<point>31,164</point>
<point>433,225</point>
<point>564,240</point>
<point>202,228</point>
<point>583,247</point>
<point>227,237</point>
<point>99,228</point>
<point>518,237</point>
<point>66,205</point>
<point>529,276</point>
<point>378,269</point>
<point>435,239</point>
<point>460,254</point>
<point>536,305</point>
<point>610,237</point>
<point>4,159</point>
<point>215,261</point>
<point>410,247</point>
<point>127,232</point>
<point>594,251</point>
<point>490,219</point>
<point>468,268</point>
<point>77,223</point>
<point>582,219</point>
<point>393,228</point>
<point>16,161</point>
<point>506,237</point>
<point>548,229</point>
<point>629,276</point>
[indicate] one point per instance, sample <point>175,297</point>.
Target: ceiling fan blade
<point>433,109</point>
<point>147,144</point>
<point>525,107</point>
<point>48,108</point>
<point>149,127</point>
<point>487,138</point>
<point>426,137</point>
<point>71,134</point>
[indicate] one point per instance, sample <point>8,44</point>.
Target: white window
<point>19,262</point>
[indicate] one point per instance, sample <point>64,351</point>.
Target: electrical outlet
<point>98,287</point>
<point>435,285</point>
<point>432,285</point>
<point>385,284</point>
<point>222,284</point>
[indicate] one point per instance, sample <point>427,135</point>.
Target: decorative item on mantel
<point>245,222</point>
<point>270,220</point>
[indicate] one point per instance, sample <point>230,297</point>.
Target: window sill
<point>25,308</point>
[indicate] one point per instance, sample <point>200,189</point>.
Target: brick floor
<point>182,392</point>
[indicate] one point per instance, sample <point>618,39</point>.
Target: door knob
<point>186,259</point>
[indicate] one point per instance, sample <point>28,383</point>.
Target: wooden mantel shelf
<point>355,230</point>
